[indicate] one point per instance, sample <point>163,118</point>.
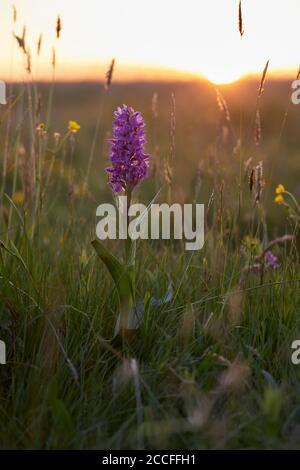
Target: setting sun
<point>198,37</point>
<point>223,77</point>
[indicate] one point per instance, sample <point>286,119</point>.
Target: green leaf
<point>124,282</point>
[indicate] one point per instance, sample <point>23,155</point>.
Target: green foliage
<point>209,366</point>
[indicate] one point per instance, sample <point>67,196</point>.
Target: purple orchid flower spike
<point>129,163</point>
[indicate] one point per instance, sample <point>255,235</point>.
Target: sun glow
<point>153,39</point>
<point>223,77</point>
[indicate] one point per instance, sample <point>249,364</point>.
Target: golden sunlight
<point>223,77</point>
<point>194,37</point>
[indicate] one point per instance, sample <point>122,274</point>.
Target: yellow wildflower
<point>280,189</point>
<point>41,129</point>
<point>18,197</point>
<point>74,126</point>
<point>279,199</point>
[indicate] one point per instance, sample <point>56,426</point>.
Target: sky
<point>151,39</point>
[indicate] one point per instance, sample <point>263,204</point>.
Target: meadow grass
<point>210,366</point>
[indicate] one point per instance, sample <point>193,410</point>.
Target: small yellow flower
<point>18,197</point>
<point>41,129</point>
<point>74,126</point>
<point>280,189</point>
<point>279,199</point>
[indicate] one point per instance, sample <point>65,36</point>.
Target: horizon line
<point>126,73</point>
<point>163,79</point>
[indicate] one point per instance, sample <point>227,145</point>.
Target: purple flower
<point>271,260</point>
<point>129,163</point>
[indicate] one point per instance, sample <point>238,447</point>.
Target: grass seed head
<point>39,44</point>
<point>241,30</point>
<point>109,74</point>
<point>58,27</point>
<point>263,79</point>
<point>257,133</point>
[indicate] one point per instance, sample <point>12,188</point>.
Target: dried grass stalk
<point>109,74</point>
<point>154,105</point>
<point>39,44</point>
<point>58,27</point>
<point>241,30</point>
<point>222,105</point>
<point>263,79</point>
<point>14,9</point>
<point>257,130</point>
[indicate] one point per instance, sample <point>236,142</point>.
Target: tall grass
<point>209,366</point>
